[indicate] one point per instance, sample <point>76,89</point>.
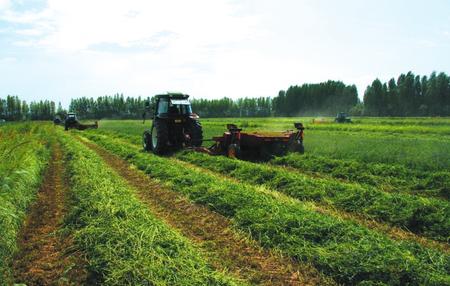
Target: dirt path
<point>43,258</point>
<point>224,248</point>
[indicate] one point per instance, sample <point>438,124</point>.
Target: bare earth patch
<point>45,256</point>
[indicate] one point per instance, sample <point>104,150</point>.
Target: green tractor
<point>174,125</point>
<point>342,117</point>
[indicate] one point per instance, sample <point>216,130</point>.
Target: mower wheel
<point>234,151</point>
<point>299,148</point>
<point>266,152</point>
<point>147,140</point>
<point>159,137</point>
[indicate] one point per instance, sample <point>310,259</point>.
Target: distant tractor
<point>174,125</point>
<point>342,117</point>
<point>71,121</point>
<point>57,120</point>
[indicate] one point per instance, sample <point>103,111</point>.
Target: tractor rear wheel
<point>159,137</point>
<point>146,140</point>
<point>196,133</point>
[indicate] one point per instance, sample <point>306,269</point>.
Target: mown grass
<point>349,253</point>
<point>23,156</point>
<point>429,217</point>
<point>390,177</point>
<point>426,216</point>
<point>413,149</point>
<point>125,244</point>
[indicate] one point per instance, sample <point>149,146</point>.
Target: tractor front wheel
<point>159,137</point>
<point>146,140</point>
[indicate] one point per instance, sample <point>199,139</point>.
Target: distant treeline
<point>14,109</point>
<point>409,95</point>
<point>227,107</point>
<point>116,106</point>
<point>327,98</point>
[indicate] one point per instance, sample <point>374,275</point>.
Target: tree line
<point>14,109</point>
<point>227,107</point>
<point>114,107</point>
<point>409,95</point>
<point>326,98</point>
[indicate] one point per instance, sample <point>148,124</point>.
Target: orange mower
<point>256,145</point>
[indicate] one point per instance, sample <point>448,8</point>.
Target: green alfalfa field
<point>367,204</point>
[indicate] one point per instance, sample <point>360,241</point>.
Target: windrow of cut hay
<point>124,243</point>
<point>23,155</point>
<point>390,177</point>
<point>426,216</point>
<point>346,251</point>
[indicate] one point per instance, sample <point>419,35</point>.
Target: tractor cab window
<point>163,106</point>
<point>180,106</point>
<point>174,106</point>
<point>184,109</point>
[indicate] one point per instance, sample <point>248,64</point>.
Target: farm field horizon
<point>366,204</point>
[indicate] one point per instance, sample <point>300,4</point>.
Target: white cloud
<point>4,4</point>
<point>141,45</point>
<point>208,48</point>
<point>8,60</point>
<point>77,25</point>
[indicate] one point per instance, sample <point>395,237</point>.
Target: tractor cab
<point>71,116</point>
<point>342,117</point>
<point>71,120</point>
<point>173,106</point>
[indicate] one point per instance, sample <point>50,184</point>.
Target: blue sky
<point>60,49</point>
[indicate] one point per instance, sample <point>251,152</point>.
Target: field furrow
<point>124,242</point>
<point>428,217</point>
<point>24,157</point>
<point>346,251</point>
<point>425,216</point>
<point>393,232</point>
<point>227,249</point>
<point>392,178</point>
<point>45,257</point>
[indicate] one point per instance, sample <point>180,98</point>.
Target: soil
<point>46,256</point>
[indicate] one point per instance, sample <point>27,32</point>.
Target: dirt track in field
<point>46,257</point>
<point>225,248</point>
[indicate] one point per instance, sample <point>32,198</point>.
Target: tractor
<point>342,117</point>
<point>71,121</point>
<point>174,125</point>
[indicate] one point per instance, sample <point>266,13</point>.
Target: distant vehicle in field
<point>342,117</point>
<point>57,120</point>
<point>71,121</point>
